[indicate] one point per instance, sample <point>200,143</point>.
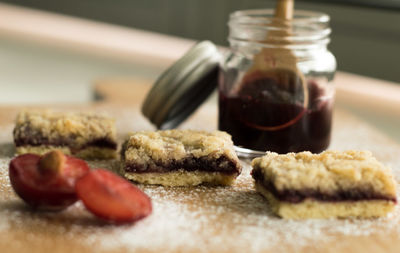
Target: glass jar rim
<point>259,27</point>
<point>254,16</point>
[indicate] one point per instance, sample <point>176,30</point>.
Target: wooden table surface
<point>198,219</point>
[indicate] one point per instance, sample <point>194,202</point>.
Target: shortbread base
<point>181,178</point>
<point>90,153</point>
<point>310,208</point>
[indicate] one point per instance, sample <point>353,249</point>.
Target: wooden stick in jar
<point>277,60</point>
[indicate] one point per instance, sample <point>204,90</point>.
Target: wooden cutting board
<point>195,219</point>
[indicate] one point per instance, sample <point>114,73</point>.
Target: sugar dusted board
<point>200,219</point>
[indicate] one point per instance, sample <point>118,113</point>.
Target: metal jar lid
<point>183,87</point>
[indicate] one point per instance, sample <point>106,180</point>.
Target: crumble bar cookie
<point>180,157</point>
<point>330,184</point>
<point>84,135</point>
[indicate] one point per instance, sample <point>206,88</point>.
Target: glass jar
<point>275,90</point>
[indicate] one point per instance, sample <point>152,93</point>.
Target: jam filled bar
<point>83,135</point>
<point>180,157</point>
<point>330,184</point>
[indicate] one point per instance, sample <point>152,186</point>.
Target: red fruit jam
<point>267,113</point>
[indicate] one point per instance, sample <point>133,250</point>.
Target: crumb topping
<point>330,171</point>
<point>78,129</point>
<point>168,145</point>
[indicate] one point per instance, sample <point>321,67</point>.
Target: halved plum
<point>112,197</point>
<point>47,182</point>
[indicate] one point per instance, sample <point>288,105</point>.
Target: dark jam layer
<point>222,165</point>
<point>38,141</point>
<point>267,113</point>
<point>34,137</point>
<point>297,196</point>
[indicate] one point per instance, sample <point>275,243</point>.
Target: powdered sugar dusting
<point>224,219</point>
<point>201,219</point>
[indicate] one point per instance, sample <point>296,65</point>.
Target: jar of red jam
<point>274,83</point>
<point>275,90</point>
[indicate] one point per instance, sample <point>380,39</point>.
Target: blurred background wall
<point>365,39</point>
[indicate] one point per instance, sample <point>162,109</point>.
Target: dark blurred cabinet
<point>365,40</point>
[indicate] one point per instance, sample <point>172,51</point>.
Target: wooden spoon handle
<point>284,9</point>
